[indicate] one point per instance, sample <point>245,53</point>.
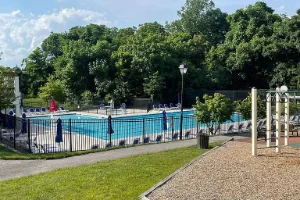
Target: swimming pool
<point>125,126</point>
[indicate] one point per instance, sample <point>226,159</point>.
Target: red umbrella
<point>52,105</point>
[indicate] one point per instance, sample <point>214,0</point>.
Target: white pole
<point>17,96</point>
<point>287,120</point>
<point>254,121</point>
<point>278,124</point>
<point>268,128</point>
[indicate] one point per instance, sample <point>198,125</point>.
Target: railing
<point>39,135</point>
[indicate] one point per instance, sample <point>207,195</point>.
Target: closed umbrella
<point>178,98</point>
<point>24,124</point>
<point>110,129</point>
<point>10,123</point>
<point>165,126</point>
<point>58,137</point>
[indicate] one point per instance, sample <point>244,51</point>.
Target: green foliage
<point>7,95</point>
<point>53,88</point>
<point>245,107</point>
<point>87,97</point>
<point>154,85</point>
<point>214,111</point>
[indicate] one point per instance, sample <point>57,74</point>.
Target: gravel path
<point>19,168</point>
<point>230,172</point>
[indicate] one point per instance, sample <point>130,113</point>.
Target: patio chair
<point>123,106</point>
<point>44,111</point>
<point>25,111</point>
<point>62,109</point>
<point>166,107</point>
<point>158,139</point>
<point>102,106</point>
<point>136,141</point>
<point>240,127</point>
<point>121,143</point>
<point>187,134</point>
<point>247,128</point>
<point>174,137</point>
<point>37,111</point>
<point>146,140</point>
<point>31,111</point>
<point>178,106</point>
<point>172,107</point>
<point>107,145</point>
<point>160,107</point>
<point>226,131</point>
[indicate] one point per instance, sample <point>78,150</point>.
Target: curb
<point>144,195</point>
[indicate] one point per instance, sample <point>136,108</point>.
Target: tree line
<point>252,47</point>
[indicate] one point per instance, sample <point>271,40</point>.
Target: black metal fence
<point>38,135</point>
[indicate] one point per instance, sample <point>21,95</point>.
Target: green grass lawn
<point>124,178</point>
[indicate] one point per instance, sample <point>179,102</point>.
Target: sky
<point>24,24</point>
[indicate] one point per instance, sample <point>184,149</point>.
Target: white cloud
<point>21,33</point>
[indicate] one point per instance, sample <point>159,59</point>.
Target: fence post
<point>29,141</point>
<point>143,129</point>
<point>70,131</point>
<point>172,122</point>
<point>109,128</point>
<point>15,118</point>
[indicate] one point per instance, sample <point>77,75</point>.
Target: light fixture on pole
<point>182,71</point>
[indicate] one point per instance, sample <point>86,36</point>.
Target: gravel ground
<point>230,172</point>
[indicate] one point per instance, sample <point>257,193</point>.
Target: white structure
<point>17,102</point>
<point>281,94</point>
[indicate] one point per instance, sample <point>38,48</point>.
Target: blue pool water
<point>127,126</point>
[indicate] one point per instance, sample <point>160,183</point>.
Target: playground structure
<point>280,96</point>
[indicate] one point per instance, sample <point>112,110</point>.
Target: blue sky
<point>25,24</point>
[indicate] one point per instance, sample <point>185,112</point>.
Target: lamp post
<point>182,71</point>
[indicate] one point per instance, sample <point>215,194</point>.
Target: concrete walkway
<point>19,168</point>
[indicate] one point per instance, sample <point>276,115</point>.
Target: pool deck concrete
<point>20,168</point>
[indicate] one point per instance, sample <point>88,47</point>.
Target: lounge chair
<point>37,111</point>
<point>160,107</point>
<point>247,128</point>
<point>158,139</point>
<point>146,140</point>
<point>155,107</point>
<point>239,129</point>
<point>136,141</point>
<point>123,106</point>
<point>229,130</point>
<point>172,107</point>
<point>166,107</point>
<point>25,111</point>
<point>102,106</point>
<point>174,137</point>
<point>44,111</point>
<point>31,111</point>
<point>62,109</point>
<point>178,106</point>
<point>121,143</point>
<point>52,149</point>
<point>107,145</point>
<point>187,134</point>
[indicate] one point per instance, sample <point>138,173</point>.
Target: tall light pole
<point>182,71</point>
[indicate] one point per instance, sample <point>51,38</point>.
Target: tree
<point>154,85</point>
<point>37,71</point>
<point>215,110</point>
<point>7,89</point>
<point>245,107</point>
<point>53,88</point>
<point>200,17</point>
